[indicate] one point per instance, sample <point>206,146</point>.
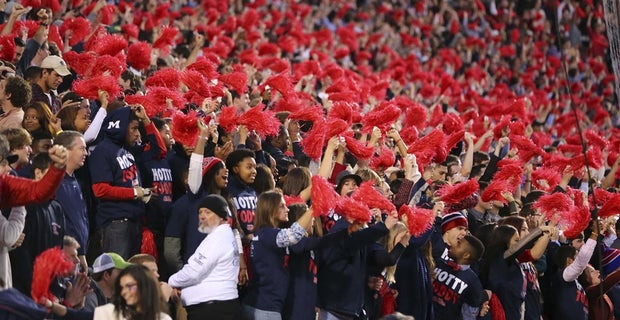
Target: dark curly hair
<point>20,91</point>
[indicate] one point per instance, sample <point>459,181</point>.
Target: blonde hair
<point>369,175</point>
<point>389,243</point>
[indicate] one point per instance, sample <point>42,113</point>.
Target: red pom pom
<point>261,120</point>
<point>166,39</point>
<point>504,123</point>
<point>602,196</point>
<point>291,200</point>
<point>433,142</point>
<point>577,219</point>
<point>130,30</point>
<point>595,139</point>
<point>196,82</point>
<point>409,134</point>
<point>7,43</point>
<point>148,243</point>
<point>323,195</point>
<point>47,266</point>
<point>419,220</point>
<point>54,36</point>
<point>494,191</point>
<point>451,140</point>
<point>551,176</point>
<point>184,128</point>
<point>80,28</point>
<point>341,110</point>
<point>385,159</point>
<point>367,194</point>
<point>452,123</point>
<point>611,207</point>
<point>459,191</point>
<point>228,118</point>
<point>314,141</point>
<point>595,158</point>
<point>313,113</point>
<point>382,116</point>
<point>156,102</point>
<point>165,77</point>
<point>109,44</point>
<point>552,204</point>
<point>358,149</point>
<point>335,127</point>
<point>353,210</point>
<point>80,62</point>
<point>436,116</point>
<point>282,83</point>
<point>237,81</point>
<point>112,65</point>
<point>527,148</point>
<point>89,88</point>
<point>139,55</point>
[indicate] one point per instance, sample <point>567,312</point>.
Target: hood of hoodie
<point>115,125</point>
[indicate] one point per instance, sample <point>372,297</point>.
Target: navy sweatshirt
<point>413,280</point>
<point>244,199</point>
<point>183,224</point>
<point>452,288</point>
<point>570,299</point>
<point>269,268</point>
<point>112,163</point>
<point>507,280</point>
<point>342,269</point>
<point>301,297</point>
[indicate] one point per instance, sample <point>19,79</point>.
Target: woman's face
<point>82,120</point>
<point>221,178</point>
<point>31,120</point>
<point>593,276</point>
<point>515,238</point>
<point>282,215</point>
<point>129,290</point>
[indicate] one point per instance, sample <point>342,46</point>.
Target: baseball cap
<point>108,261</point>
<point>56,63</point>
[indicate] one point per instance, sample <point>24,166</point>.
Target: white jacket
<point>10,230</point>
<point>211,273</point>
<point>106,312</point>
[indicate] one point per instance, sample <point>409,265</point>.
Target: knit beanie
<point>453,220</point>
<point>217,204</point>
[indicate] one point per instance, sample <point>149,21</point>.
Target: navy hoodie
<point>183,223</point>
<point>112,163</point>
<point>413,280</point>
<point>244,199</point>
<point>342,269</point>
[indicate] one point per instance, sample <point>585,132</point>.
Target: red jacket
<point>16,191</point>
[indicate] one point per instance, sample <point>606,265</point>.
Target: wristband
<point>135,193</point>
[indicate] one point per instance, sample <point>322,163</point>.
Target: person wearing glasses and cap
<point>53,69</point>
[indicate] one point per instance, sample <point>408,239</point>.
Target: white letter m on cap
<point>114,124</point>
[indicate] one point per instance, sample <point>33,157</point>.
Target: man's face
<point>19,51</point>
<point>246,170</point>
<point>41,145</point>
<point>3,96</point>
<point>133,133</point>
<point>23,153</point>
<point>76,155</point>
<point>454,235</point>
<point>167,136</point>
<point>51,79</point>
<point>439,173</point>
<point>152,266</point>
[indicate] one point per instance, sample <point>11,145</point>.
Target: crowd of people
<point>422,159</point>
